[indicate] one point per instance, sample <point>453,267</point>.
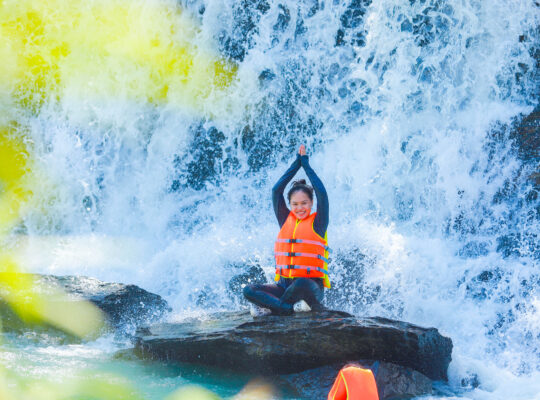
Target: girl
<point>301,249</point>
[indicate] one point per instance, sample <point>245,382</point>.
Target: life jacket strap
<point>306,267</point>
<point>282,253</point>
<point>306,241</point>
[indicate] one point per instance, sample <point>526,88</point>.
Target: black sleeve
<point>280,207</point>
<point>323,208</point>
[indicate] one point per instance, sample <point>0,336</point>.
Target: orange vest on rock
<point>354,383</point>
<point>300,252</point>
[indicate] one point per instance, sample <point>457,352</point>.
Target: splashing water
<point>158,132</point>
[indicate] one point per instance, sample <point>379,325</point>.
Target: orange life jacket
<point>354,383</point>
<point>300,252</point>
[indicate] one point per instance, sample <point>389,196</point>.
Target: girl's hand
<point>302,150</point>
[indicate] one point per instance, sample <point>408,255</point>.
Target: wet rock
<point>274,345</point>
<point>248,275</point>
<point>520,191</point>
<point>280,123</point>
<point>12,323</point>
<point>265,77</point>
<point>471,381</point>
<point>122,304</point>
<point>349,284</point>
<point>246,15</point>
<point>393,381</point>
<point>283,19</point>
<point>526,133</point>
<point>474,249</point>
<point>206,160</point>
<point>431,24</point>
<point>351,20</point>
<point>125,306</point>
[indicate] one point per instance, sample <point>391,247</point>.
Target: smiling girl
<point>301,248</point>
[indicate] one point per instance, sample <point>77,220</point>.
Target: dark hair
<point>300,186</point>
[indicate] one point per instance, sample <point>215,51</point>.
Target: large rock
<point>125,306</point>
<point>280,345</point>
<point>393,381</point>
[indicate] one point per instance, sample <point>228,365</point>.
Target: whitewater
<point>155,130</point>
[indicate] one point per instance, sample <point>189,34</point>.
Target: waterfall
<point>154,130</point>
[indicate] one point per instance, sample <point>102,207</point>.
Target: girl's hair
<point>300,186</point>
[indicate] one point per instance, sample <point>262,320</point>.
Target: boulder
<point>125,306</point>
<point>275,345</point>
<point>393,381</point>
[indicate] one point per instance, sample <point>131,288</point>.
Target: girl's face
<point>301,204</point>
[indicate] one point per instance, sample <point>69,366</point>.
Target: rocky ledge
<point>125,306</point>
<point>273,345</point>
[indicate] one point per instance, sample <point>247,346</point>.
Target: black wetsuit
<point>280,297</point>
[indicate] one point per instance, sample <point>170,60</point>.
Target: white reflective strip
<point>295,254</point>
<point>301,267</point>
<point>307,241</point>
<point>310,255</point>
<point>312,242</point>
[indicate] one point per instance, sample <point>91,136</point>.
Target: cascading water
<point>404,105</point>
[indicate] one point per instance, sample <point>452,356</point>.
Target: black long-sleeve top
<point>320,224</point>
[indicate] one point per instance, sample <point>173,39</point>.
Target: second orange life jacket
<point>354,383</point>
